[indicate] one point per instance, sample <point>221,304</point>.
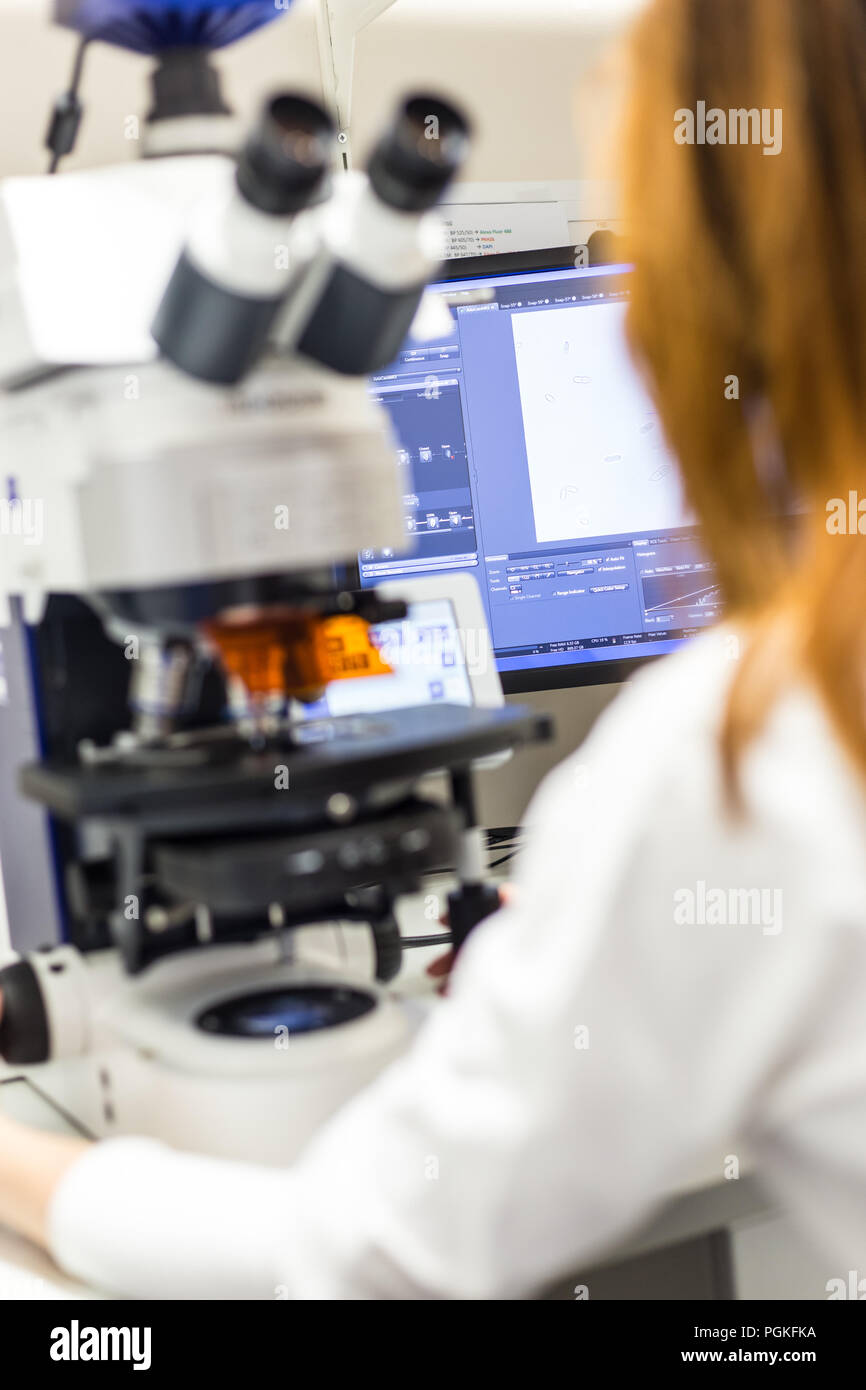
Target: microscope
<point>193,464</point>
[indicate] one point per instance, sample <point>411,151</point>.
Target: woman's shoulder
<point>655,755</point>
<point>681,700</point>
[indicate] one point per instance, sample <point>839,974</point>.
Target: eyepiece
<point>285,160</point>
<point>415,161</point>
<point>227,289</point>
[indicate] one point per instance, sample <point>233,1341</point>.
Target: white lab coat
<point>615,1028</point>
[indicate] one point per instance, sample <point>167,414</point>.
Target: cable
<point>507,841</point>
<point>436,939</point>
<point>498,833</point>
<point>67,113</point>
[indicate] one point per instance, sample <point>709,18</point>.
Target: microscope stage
<point>352,754</point>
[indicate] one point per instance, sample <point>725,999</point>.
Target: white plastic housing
<point>151,1071</point>
<point>140,477</point>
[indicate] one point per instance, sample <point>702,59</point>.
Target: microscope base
<point>227,1053</point>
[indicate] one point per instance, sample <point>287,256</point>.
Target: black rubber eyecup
<point>23,1020</point>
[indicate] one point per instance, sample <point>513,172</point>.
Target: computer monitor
<point>533,459</point>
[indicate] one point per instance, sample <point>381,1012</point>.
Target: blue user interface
<point>532,456</point>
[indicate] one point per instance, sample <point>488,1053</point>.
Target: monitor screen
<point>427,660</point>
<point>532,457</point>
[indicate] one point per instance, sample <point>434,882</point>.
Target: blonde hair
<point>749,319</point>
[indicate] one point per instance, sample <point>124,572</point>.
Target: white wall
<point>513,63</point>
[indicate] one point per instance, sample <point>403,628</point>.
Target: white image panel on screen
<point>598,462</point>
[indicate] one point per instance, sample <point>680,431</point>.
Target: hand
<point>32,1164</point>
<point>441,967</point>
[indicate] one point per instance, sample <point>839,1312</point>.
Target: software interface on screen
<point>426,654</point>
<point>532,456</point>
